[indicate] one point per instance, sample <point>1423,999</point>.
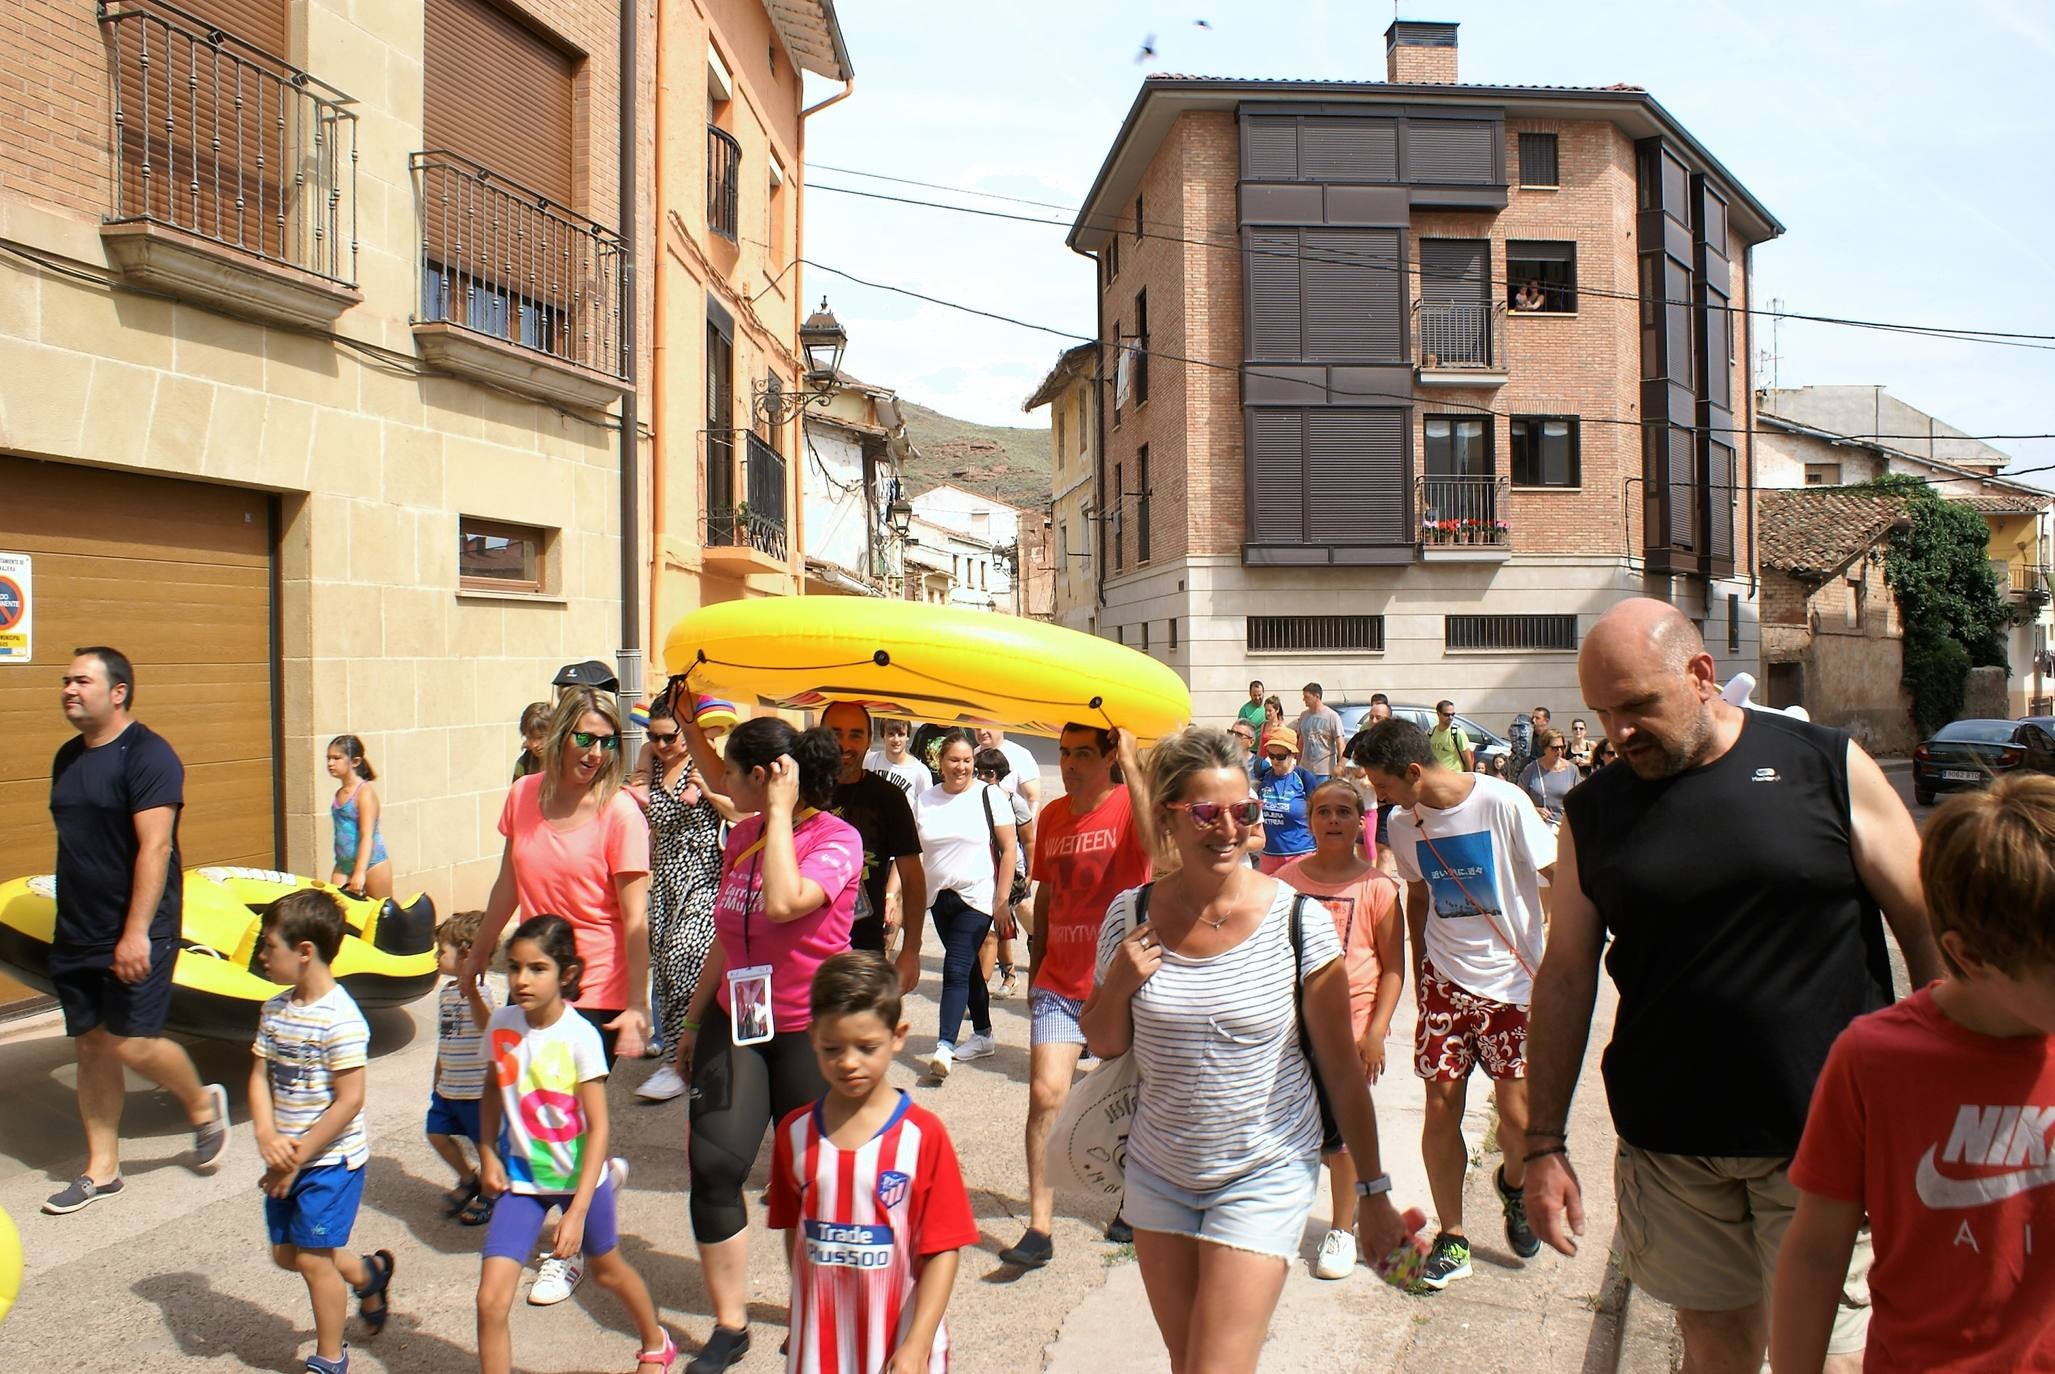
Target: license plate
<point>1961,775</point>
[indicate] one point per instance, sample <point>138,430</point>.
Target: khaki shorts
<point>1701,1232</point>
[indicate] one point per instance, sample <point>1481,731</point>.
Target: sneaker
<point>978,1045</point>
<point>1337,1259</point>
<point>317,1365</point>
<point>1119,1232</point>
<point>725,1347</point>
<point>1035,1250</point>
<point>211,1139</point>
<point>557,1281</point>
<point>1519,1234</point>
<point>938,1066</point>
<point>617,1174</point>
<point>82,1192</point>
<point>661,1086</point>
<point>1448,1261</point>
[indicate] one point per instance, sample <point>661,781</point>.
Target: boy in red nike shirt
<point>1936,1117</point>
<point>866,1187</point>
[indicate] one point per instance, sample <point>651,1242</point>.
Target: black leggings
<point>738,1092</point>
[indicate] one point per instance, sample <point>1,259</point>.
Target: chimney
<point>1420,53</point>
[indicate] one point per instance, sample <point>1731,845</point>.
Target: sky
<point>1902,145</point>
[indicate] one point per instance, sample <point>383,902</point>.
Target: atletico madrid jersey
<point>866,1217</point>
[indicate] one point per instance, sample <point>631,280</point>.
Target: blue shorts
<point>1053,1018</point>
<point>517,1222</point>
<point>452,1116</point>
<point>319,1211</point>
<point>1263,1211</point>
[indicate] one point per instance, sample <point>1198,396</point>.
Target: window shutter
<point>1277,510</point>
<point>1274,295</point>
<point>1342,149</point>
<point>1355,477</point>
<point>1452,271</point>
<point>499,94</point>
<point>1683,491</point>
<point>260,23</point>
<point>1450,150</point>
<point>1270,149</point>
<point>1719,501</point>
<point>1352,295</point>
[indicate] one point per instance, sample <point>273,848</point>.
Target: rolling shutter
<point>260,23</point>
<point>1356,477</point>
<point>1450,150</point>
<point>1270,148</point>
<point>1352,294</point>
<point>1273,274</point>
<point>1277,510</point>
<point>1452,271</point>
<point>499,94</point>
<point>1719,501</point>
<point>1344,149</point>
<point>1683,488</point>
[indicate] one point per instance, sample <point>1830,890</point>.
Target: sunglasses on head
<point>585,739</point>
<point>1207,814</point>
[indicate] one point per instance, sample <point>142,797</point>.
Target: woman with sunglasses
<point>1550,777</point>
<point>1215,977</point>
<point>967,843</point>
<point>1283,787</point>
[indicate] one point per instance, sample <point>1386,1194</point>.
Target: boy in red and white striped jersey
<point>866,1186</point>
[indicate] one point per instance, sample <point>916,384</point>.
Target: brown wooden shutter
<point>260,23</point>
<point>1277,507</point>
<point>1273,272</point>
<point>499,94</point>
<point>1451,150</point>
<point>1352,295</point>
<point>1270,148</point>
<point>1356,478</point>
<point>1343,148</point>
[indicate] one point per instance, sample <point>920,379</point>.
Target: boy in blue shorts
<point>461,1012</point>
<point>307,1101</point>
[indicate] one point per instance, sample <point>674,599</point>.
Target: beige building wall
<point>374,455</point>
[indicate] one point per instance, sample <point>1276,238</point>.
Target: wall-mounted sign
<point>15,608</point>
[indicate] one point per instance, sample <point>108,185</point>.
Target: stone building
<point>1408,381</point>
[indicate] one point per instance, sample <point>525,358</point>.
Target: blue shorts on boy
<point>452,1116</point>
<point>304,1045</point>
<point>319,1212</point>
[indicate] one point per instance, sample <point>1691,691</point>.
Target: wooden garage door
<point>178,576</point>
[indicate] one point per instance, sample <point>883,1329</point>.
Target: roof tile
<point>1816,533</point>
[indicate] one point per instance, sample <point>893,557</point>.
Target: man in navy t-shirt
<point>115,795</point>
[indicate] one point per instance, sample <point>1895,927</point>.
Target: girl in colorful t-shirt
<point>543,1142</point>
<point>1363,900</point>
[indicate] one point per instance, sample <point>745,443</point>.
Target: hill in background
<point>1007,463</point>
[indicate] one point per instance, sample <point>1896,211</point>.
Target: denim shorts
<point>1263,1211</point>
<point>452,1116</point>
<point>320,1211</point>
<point>1053,1018</point>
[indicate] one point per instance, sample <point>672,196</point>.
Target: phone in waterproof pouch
<point>749,1005</point>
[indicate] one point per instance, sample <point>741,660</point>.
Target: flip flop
<point>459,1197</point>
<point>381,1264</point>
<point>477,1211</point>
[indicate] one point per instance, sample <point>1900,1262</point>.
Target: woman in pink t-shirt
<point>578,847</point>
<point>789,879</point>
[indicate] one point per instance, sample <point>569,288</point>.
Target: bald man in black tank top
<point>1741,862</point>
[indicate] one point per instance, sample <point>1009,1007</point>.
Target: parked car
<point>1487,743</point>
<point>1970,753</point>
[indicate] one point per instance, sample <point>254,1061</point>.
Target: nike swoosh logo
<point>1939,1191</point>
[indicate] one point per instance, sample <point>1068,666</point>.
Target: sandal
<point>663,1359</point>
<point>459,1197</point>
<point>381,1264</point>
<point>477,1211</point>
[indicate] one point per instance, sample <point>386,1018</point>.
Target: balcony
<point>1458,345</point>
<point>750,534</point>
<point>2028,581</point>
<point>235,173</point>
<point>723,182</point>
<point>517,291</point>
<point>1463,520</point>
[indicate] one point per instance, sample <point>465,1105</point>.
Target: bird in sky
<point>1201,23</point>
<point>1148,49</point>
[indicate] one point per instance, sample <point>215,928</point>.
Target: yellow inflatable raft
<point>931,663</point>
<point>387,957</point>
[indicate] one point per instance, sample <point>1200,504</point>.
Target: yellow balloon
<point>10,1263</point>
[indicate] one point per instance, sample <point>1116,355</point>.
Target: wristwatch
<point>1371,1187</point>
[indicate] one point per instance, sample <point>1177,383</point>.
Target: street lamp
<point>900,515</point>
<point>822,340</point>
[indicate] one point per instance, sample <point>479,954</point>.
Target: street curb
<point>1648,1330</point>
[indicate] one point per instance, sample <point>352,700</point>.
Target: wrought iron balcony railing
<point>505,261</point>
<point>228,142</point>
<point>723,182</point>
<point>1463,510</point>
<point>1451,337</point>
<point>759,520</point>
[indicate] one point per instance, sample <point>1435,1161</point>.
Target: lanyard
<point>753,893</point>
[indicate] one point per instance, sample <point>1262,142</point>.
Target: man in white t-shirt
<point>894,764</point>
<point>1473,853</point>
<point>1026,777</point>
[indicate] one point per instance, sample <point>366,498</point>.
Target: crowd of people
<point>1805,1167</point>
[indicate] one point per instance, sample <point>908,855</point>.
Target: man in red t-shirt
<point>1936,1116</point>
<point>1087,852</point>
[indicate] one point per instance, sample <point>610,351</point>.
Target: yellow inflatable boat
<point>387,957</point>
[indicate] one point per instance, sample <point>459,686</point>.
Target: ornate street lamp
<point>822,341</point>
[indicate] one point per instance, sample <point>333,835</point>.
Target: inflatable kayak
<point>944,664</point>
<point>387,957</point>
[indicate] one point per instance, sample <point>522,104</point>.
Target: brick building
<point>1071,392</point>
<point>1407,381</point>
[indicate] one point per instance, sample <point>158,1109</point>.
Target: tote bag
<point>1088,1143</point>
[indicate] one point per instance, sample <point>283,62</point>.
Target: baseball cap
<point>591,673</point>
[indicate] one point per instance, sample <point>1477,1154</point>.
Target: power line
<point>1965,334</point>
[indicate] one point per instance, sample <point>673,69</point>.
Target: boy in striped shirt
<point>307,1101</point>
<point>867,1189</point>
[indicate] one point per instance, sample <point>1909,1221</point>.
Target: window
<point>1120,634</point>
<point>1538,160</point>
<point>1823,474</point>
<point>1173,632</point>
<point>1293,634</point>
<point>1325,295</point>
<point>1112,257</point>
<point>1549,266</point>
<point>776,209</point>
<point>1142,504</point>
<point>1140,368</point>
<point>1121,375</point>
<point>1545,451</point>
<point>1059,438</point>
<point>1138,218</point>
<point>1733,622</point>
<point>1145,636</point>
<point>1119,504</point>
<point>496,557</point>
<point>1852,608</point>
<point>1519,633</point>
<point>1458,446</point>
<point>1084,419</point>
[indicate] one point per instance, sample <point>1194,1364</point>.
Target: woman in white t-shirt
<point>966,844</point>
<point>1225,1146</point>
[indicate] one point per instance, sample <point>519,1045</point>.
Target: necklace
<point>1219,923</point>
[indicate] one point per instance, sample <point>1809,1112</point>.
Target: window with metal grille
<point>1316,634</point>
<point>1517,633</point>
<point>1538,160</point>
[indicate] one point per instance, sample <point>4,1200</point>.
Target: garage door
<point>178,576</point>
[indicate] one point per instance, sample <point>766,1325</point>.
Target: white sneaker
<point>938,1062</point>
<point>976,1045</point>
<point>617,1174</point>
<point>557,1281</point>
<point>1337,1256</point>
<point>661,1086</point>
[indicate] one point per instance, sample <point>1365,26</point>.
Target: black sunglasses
<point>585,739</point>
<point>663,736</point>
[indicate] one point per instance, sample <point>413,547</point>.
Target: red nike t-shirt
<point>1944,1137</point>
<point>1085,862</point>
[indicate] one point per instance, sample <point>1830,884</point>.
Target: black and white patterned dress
<point>684,875</point>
